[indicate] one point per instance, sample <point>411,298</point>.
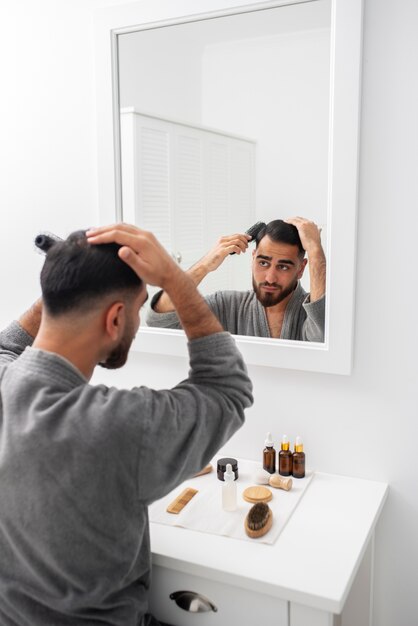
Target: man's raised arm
<point>310,237</point>
<point>209,263</point>
<point>18,335</point>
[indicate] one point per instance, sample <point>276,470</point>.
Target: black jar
<point>221,467</point>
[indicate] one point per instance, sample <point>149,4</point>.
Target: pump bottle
<point>298,459</point>
<point>285,458</point>
<point>229,490</point>
<point>269,455</point>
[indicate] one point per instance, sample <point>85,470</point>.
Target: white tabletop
<point>314,559</point>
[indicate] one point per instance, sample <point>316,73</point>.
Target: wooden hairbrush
<point>259,520</point>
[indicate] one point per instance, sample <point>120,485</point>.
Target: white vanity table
<point>319,572</point>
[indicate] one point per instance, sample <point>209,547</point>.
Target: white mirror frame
<point>335,354</point>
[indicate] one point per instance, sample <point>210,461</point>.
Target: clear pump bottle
<point>269,455</point>
<point>285,458</point>
<point>229,490</point>
<point>298,459</point>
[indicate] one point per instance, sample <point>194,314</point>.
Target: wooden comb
<point>180,502</point>
<point>206,470</point>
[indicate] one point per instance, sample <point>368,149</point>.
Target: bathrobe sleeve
<point>170,434</point>
<point>13,340</point>
<point>314,325</point>
<point>189,423</point>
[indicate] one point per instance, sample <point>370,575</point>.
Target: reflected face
<point>119,355</point>
<point>276,267</point>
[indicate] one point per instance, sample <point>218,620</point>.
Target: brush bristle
<point>255,229</point>
<point>257,516</point>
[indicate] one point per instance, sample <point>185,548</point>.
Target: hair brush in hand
<point>253,231</point>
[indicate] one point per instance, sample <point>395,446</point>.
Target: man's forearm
<point>195,316</point>
<point>31,319</point>
<point>197,273</point>
<point>317,274</point>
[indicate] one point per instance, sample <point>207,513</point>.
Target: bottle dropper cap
<point>269,441</point>
<point>229,474</point>
<point>298,444</point>
<point>285,443</point>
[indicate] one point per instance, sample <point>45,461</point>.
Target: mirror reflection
<point>224,122</point>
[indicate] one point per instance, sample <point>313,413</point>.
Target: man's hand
<point>224,246</point>
<point>31,320</point>
<point>310,237</point>
<point>309,233</point>
<point>140,250</point>
<point>147,257</point>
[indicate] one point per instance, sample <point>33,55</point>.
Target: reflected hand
<point>309,233</point>
<point>310,236</point>
<point>141,250</point>
<point>224,246</point>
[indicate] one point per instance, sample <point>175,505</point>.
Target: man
<point>79,464</point>
<point>278,306</point>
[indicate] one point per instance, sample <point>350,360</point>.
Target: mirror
<point>224,122</point>
<point>286,70</point>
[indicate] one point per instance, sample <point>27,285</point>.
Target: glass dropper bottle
<point>298,459</point>
<point>285,457</point>
<point>269,455</point>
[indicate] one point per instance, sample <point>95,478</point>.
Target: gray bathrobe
<point>240,313</point>
<point>80,463</point>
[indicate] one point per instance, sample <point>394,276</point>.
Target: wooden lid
<point>257,493</point>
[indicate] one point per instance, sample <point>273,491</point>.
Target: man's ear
<point>115,320</point>
<point>302,269</point>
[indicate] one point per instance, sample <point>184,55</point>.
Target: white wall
<point>276,90</point>
<point>159,75</point>
<point>47,135</point>
<point>362,425</point>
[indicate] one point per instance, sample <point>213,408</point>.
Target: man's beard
<point>119,355</point>
<point>270,299</point>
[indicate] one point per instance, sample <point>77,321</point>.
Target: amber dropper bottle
<point>269,455</point>
<point>285,458</point>
<point>298,459</point>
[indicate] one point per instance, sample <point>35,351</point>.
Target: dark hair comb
<point>45,241</point>
<point>253,231</point>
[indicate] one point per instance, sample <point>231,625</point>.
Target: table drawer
<point>233,605</point>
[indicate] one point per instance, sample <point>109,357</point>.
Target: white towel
<point>204,512</point>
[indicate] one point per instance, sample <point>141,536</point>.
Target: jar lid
<point>222,463</point>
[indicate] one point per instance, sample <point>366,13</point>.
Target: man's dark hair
<point>281,231</point>
<point>77,274</point>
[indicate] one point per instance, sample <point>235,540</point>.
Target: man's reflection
<point>278,306</point>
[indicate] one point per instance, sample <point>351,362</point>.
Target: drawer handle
<point>192,602</point>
